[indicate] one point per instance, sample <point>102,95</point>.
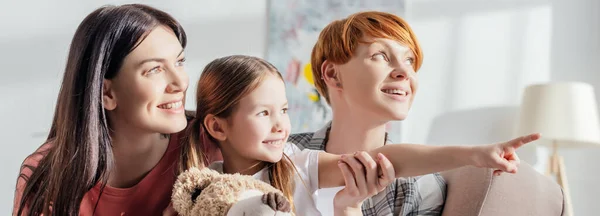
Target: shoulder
<point>26,170</point>
<point>302,140</point>
<point>428,192</point>
<point>33,160</point>
<point>300,155</point>
<point>430,184</point>
<point>408,196</point>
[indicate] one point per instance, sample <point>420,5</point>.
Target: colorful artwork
<point>294,26</point>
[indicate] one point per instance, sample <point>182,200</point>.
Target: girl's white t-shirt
<point>306,180</point>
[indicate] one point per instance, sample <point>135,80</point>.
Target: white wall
<point>478,57</point>
<point>34,41</point>
<point>576,57</point>
<point>477,54</point>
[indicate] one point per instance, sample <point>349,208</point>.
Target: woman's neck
<point>351,133</point>
<point>135,154</point>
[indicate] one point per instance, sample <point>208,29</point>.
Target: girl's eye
<point>154,70</point>
<point>284,110</point>
<point>263,113</point>
<point>180,63</point>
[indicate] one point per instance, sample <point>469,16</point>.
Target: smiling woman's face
<point>380,79</point>
<point>148,91</point>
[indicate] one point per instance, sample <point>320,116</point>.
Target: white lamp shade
<point>564,113</point>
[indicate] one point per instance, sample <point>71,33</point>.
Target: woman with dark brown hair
<point>113,145</point>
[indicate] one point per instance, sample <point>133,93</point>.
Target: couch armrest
<point>467,188</point>
<point>473,191</point>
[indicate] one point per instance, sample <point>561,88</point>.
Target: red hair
<point>338,40</point>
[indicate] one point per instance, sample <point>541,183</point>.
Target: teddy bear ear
<point>189,186</point>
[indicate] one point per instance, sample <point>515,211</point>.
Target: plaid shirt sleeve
<point>422,195</point>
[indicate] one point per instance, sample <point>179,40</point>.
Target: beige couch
<point>474,191</point>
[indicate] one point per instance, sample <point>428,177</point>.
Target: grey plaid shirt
<point>423,195</point>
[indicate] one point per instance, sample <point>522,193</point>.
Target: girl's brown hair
<point>222,84</point>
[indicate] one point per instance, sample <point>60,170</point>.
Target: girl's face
<point>147,93</point>
<point>379,80</point>
<point>259,126</point>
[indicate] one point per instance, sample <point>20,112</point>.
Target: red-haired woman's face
<point>379,80</point>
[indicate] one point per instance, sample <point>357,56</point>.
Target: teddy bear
<point>205,192</point>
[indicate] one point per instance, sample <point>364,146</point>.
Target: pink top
<point>149,197</point>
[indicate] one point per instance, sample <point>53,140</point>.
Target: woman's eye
<point>284,110</point>
<point>409,61</point>
<point>180,63</point>
<point>154,70</point>
<point>380,56</point>
<point>263,113</point>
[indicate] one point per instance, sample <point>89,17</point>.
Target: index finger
<point>520,141</point>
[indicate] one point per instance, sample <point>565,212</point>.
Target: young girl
<point>242,108</point>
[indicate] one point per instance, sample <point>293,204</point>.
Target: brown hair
<point>222,84</point>
<point>81,155</point>
<point>339,39</point>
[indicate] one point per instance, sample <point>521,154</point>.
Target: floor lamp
<point>566,114</point>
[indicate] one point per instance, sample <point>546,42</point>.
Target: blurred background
<point>479,57</point>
